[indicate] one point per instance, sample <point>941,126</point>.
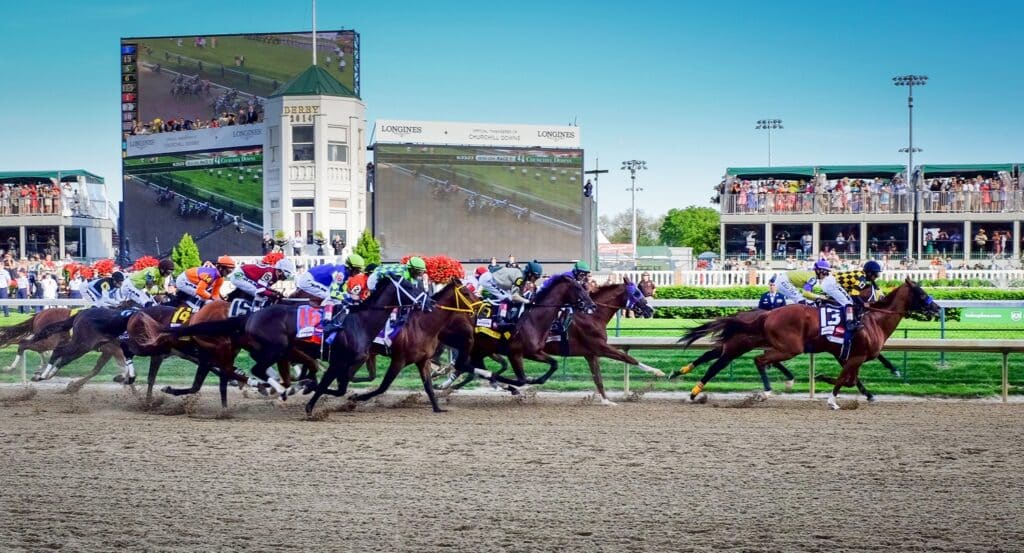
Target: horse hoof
<point>609,403</point>
<point>897,374</point>
<point>872,399</point>
<point>439,410</point>
<point>789,385</point>
<point>119,378</point>
<point>832,404</point>
<point>131,380</point>
<point>166,390</point>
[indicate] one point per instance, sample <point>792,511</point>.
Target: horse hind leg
<point>76,385</point>
<point>594,363</point>
<point>705,357</point>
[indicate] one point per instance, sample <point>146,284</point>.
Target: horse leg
<point>371,368</point>
<point>394,368</point>
<point>154,368</point>
<point>63,355</point>
<point>594,362</point>
<point>708,355</point>
<point>786,373</point>
<point>552,367</point>
<point>615,354</point>
<point>712,371</point>
<point>18,357</point>
<point>428,386</point>
<point>765,381</point>
<point>888,364</point>
<point>222,386</point>
<point>862,389</point>
<point>770,357</point>
<point>848,376</point>
<point>73,387</point>
<point>201,371</point>
<point>502,363</point>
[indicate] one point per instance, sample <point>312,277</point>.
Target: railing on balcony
<point>786,203</point>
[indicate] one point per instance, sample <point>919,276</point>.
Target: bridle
<point>462,303</point>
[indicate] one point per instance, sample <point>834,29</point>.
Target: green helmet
<point>417,263</point>
<point>581,267</point>
<point>356,260</point>
<point>533,268</point>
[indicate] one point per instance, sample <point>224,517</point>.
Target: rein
<point>460,301</point>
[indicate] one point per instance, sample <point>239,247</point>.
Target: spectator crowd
<point>42,198</point>
<point>179,123</point>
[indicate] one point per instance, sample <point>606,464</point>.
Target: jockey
<point>318,280</point>
<point>798,286</point>
<point>410,272</point>
<point>350,282</point>
<point>505,286</point>
<point>106,291</point>
<point>199,285</point>
<point>580,272</point>
<point>839,288</point>
<point>141,286</point>
<point>255,281</point>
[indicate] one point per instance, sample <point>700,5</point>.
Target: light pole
<point>590,191</point>
<point>769,125</point>
<point>910,81</point>
<point>633,166</point>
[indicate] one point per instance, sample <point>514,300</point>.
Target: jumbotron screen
<point>474,203</point>
<point>193,131</point>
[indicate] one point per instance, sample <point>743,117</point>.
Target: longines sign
<point>389,131</point>
<point>235,136</point>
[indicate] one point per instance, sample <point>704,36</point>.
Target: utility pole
<point>633,166</point>
<point>769,125</point>
<point>597,172</point>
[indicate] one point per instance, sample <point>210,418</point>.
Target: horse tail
<point>228,327</point>
<point>61,326</point>
<point>16,333</point>
<point>147,332</point>
<point>709,328</point>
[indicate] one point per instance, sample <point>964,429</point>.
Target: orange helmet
<point>226,261</point>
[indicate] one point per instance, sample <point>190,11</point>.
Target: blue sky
<point>679,85</point>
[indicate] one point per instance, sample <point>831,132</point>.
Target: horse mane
<point>546,290</point>
<point>606,288</point>
<point>891,296</point>
<point>376,293</point>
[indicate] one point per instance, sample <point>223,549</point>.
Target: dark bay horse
<point>22,334</point>
<point>529,338</point>
<point>350,346</point>
<point>789,331</point>
<point>588,333</point>
<point>451,322</point>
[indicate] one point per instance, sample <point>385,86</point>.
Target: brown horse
<point>94,329</point>
<point>529,338</point>
<point>741,345</point>
<point>23,331</point>
<point>450,322</point>
<point>789,331</point>
<point>588,333</point>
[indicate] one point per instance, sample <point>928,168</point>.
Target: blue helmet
<point>872,267</point>
<point>822,265</point>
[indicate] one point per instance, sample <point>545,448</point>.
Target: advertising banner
<point>390,131</point>
<point>1013,316</point>
<point>235,136</point>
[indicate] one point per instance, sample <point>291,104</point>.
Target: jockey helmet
<point>286,266</point>
<point>117,277</point>
<point>165,267</point>
<point>226,261</point>
<point>480,270</point>
<point>872,267</point>
<point>822,265</point>
<point>533,269</point>
<point>355,260</point>
<point>417,263</point>
<point>580,269</point>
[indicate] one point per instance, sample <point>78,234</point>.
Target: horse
<point>868,294</point>
<point>22,334</point>
<point>451,323</point>
<point>587,336</point>
<point>529,338</point>
<point>788,331</point>
<point>94,329</point>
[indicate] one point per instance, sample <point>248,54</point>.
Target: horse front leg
<point>371,368</point>
<point>394,368</point>
<point>154,368</point>
<point>75,386</point>
<point>848,376</point>
<point>615,354</point>
<point>552,367</point>
<point>594,363</point>
<point>428,387</point>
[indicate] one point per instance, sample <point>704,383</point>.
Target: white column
<point>287,218</point>
<point>321,197</point>
<point>816,242</point>
<point>1015,238</point>
<point>968,240</point>
<point>769,238</point>
<point>863,240</point>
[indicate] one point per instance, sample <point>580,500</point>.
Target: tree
<point>185,255</point>
<point>368,248</point>
<point>696,227</point>
<point>619,228</point>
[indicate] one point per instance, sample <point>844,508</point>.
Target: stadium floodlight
<point>768,125</point>
<point>910,81</point>
<point>633,166</point>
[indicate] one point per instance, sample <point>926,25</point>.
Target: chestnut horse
<point>588,333</point>
<point>788,331</point>
<point>23,331</point>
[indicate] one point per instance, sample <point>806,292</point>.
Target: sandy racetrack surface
<point>96,473</point>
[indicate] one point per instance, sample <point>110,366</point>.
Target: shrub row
<point>755,292</point>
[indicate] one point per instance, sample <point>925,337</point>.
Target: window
<point>339,204</point>
<point>337,151</point>
<point>302,143</point>
<point>302,202</point>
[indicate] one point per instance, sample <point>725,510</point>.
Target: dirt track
<point>95,473</point>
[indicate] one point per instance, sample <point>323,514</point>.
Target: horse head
<point>635,300</point>
<point>921,301</point>
<point>563,290</point>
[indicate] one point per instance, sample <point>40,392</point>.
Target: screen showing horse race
<point>193,133</point>
<point>474,203</point>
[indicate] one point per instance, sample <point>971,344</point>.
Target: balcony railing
<point>786,203</point>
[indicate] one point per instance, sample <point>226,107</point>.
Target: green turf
<point>271,62</point>
<point>248,193</point>
<point>964,375</point>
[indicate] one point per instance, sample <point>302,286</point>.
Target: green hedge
<point>755,292</point>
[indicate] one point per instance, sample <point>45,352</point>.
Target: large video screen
<point>474,203</point>
<point>199,78</point>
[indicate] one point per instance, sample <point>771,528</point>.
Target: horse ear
<point>909,282</point>
<point>626,279</point>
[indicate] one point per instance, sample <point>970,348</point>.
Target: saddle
<point>831,320</point>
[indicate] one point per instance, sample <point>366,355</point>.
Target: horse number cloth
<point>309,322</point>
<point>831,321</point>
<point>181,316</point>
<point>239,307</point>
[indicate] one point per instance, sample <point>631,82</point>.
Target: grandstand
<point>967,215</point>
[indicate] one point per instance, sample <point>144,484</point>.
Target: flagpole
<point>314,32</point>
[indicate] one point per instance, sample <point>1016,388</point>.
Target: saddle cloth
<point>831,319</point>
<point>309,323</point>
<point>239,307</point>
<point>181,316</point>
<point>390,330</point>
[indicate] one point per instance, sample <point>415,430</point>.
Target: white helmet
<point>286,266</point>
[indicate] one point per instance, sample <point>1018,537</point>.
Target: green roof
<point>759,173</point>
<point>37,175</point>
<point>314,81</point>
<point>861,171</point>
<point>983,169</point>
